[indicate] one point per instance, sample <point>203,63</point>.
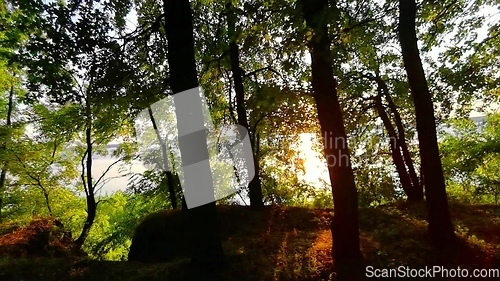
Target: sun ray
<point>314,164</point>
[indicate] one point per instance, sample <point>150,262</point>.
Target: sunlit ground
<point>294,244</point>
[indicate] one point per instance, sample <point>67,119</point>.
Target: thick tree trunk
<point>345,232</point>
<point>419,192</point>
<point>255,187</point>
<point>3,174</point>
<point>397,158</point>
<point>90,196</point>
<point>440,225</point>
<point>202,221</point>
<point>183,204</point>
<point>167,173</point>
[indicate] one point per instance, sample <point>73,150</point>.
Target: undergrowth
<point>293,244</point>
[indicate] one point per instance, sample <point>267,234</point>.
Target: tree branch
<point>107,170</point>
<point>253,73</point>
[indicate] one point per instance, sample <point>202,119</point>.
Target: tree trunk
<point>345,232</point>
<point>440,225</point>
<point>47,201</point>
<point>206,248</point>
<point>255,187</point>
<point>167,172</point>
<point>183,204</point>
<point>3,174</point>
<point>404,177</point>
<point>419,192</point>
<point>422,186</point>
<point>90,197</point>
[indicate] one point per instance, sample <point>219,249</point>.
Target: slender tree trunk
<point>255,187</point>
<point>90,196</point>
<point>404,177</point>
<point>440,225</point>
<point>422,186</point>
<point>167,173</point>
<point>345,232</point>
<point>45,193</point>
<point>3,174</point>
<point>177,183</point>
<point>419,192</point>
<point>47,202</point>
<point>202,222</point>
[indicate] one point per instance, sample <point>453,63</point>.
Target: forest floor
<point>294,244</point>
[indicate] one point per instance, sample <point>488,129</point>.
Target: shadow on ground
<point>293,244</point>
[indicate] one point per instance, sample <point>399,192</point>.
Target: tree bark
<point>3,174</point>
<point>255,187</point>
<point>167,173</point>
<point>47,202</point>
<point>89,188</point>
<point>397,158</point>
<point>440,225</point>
<point>206,248</point>
<point>419,192</point>
<point>345,231</point>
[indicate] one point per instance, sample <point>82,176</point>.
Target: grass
<point>280,243</point>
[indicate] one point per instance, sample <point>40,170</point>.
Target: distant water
<point>315,170</point>
<point>116,178</point>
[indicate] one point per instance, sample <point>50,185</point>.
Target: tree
<point>12,35</point>
<point>440,225</point>
<point>416,184</point>
<point>8,123</point>
<point>367,68</point>
<point>206,246</point>
<point>73,60</point>
<point>397,142</point>
<point>344,226</point>
<point>169,177</point>
<point>255,188</point>
<point>394,146</point>
<point>470,155</point>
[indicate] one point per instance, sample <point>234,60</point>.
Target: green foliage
<point>24,203</point>
<point>119,215</point>
<point>65,58</point>
<point>471,160</point>
<point>296,242</point>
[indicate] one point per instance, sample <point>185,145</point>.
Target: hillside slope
<point>280,243</point>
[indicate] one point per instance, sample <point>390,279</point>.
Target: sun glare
<point>314,164</point>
